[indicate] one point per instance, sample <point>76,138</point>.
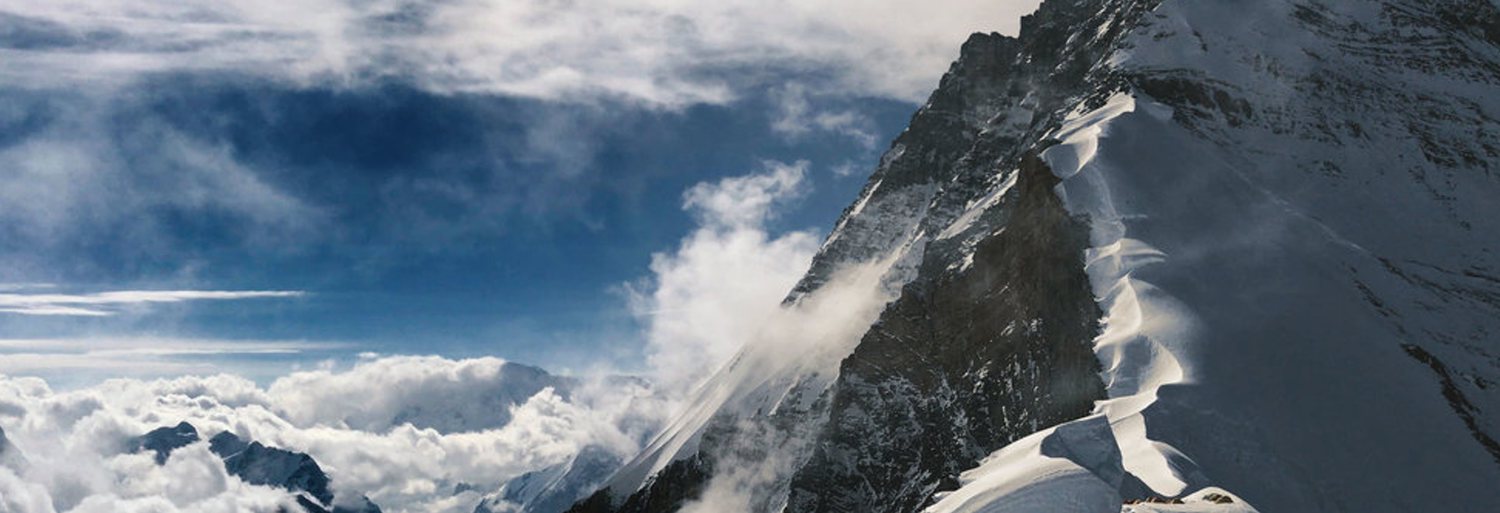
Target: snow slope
<point>553,489</point>
<point>1294,214</point>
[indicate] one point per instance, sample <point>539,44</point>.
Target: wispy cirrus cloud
<point>160,346</point>
<point>796,117</point>
<point>101,304</point>
<point>151,356</point>
<point>13,287</point>
<point>667,53</point>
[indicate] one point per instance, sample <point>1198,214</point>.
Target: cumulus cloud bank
<point>426,392</point>
<point>193,480</point>
<point>658,52</point>
<point>408,451</point>
<point>426,433</point>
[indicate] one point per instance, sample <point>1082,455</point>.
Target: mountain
<point>553,489</point>
<point>163,440</point>
<point>10,456</point>
<point>256,464</point>
<point>452,407</point>
<point>1233,255</point>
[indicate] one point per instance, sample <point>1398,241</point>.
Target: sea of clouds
<point>419,433</point>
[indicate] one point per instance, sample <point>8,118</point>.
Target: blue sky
<point>446,178</point>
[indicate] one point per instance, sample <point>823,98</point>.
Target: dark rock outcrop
<point>257,464</point>
<point>163,440</point>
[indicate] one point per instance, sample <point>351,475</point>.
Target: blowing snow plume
<point>785,353</point>
<point>727,277</point>
<point>782,372</point>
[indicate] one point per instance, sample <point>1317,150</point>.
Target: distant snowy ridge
<point>258,464</point>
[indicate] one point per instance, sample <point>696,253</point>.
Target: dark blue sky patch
<point>456,224</point>
<point>18,32</point>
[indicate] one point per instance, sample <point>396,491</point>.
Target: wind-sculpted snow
<point>1073,467</point>
<point>1145,330</point>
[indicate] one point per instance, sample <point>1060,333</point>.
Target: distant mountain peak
<point>163,440</point>
<point>257,464</point>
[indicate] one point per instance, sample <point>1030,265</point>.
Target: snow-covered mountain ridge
<point>1141,250</point>
<point>257,464</point>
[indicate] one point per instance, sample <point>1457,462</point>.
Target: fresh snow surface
<point>1207,500</point>
<point>1138,354</point>
<point>1143,329</point>
<point>1073,467</point>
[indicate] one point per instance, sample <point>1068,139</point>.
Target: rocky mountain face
<point>1152,250</point>
<point>989,337</point>
<point>163,440</point>
<point>554,489</point>
<point>257,464</point>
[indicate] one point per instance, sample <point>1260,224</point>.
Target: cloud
<point>197,171</point>
<point>783,363</point>
<point>724,345</point>
<point>725,279</point>
<point>124,346</point>
<point>665,53</point>
<point>13,287</point>
<point>426,392</point>
<point>108,165</point>
<point>101,356</point>
<point>72,463</point>
<point>845,169</point>
<point>86,174</point>
<point>745,202</point>
<point>109,303</point>
<point>796,118</point>
<point>403,467</point>
<point>406,430</point>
